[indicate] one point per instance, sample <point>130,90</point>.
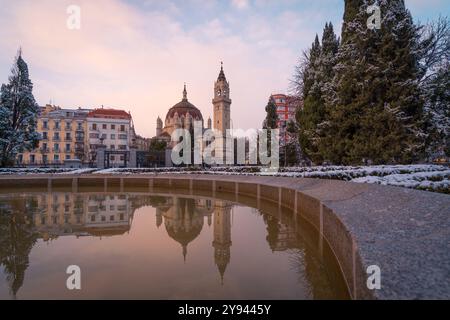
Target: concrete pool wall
<point>406,233</point>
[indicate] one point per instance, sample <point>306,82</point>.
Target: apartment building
<point>75,134</point>
<point>286,109</point>
<point>62,134</point>
<point>112,129</point>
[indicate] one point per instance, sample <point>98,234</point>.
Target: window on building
<point>32,158</point>
<point>45,124</point>
<point>103,218</point>
<point>113,147</point>
<point>56,147</point>
<point>122,158</point>
<point>56,157</point>
<point>113,137</point>
<point>113,127</point>
<point>44,146</point>
<point>80,126</point>
<point>104,136</point>
<point>122,147</point>
<point>104,126</point>
<point>67,156</point>
<point>121,216</point>
<point>94,135</point>
<point>122,127</point>
<point>94,126</point>
<point>112,158</point>
<point>111,218</point>
<point>93,218</point>
<point>123,136</point>
<point>68,137</point>
<point>56,136</point>
<point>56,124</point>
<point>44,158</point>
<point>68,125</point>
<point>67,147</point>
<point>44,135</point>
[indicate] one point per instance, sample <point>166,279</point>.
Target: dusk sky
<point>136,55</point>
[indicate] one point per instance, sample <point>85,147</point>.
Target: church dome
<point>183,107</point>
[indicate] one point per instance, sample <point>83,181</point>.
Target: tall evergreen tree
<point>376,114</point>
<point>317,80</point>
<point>18,114</point>
<point>270,122</point>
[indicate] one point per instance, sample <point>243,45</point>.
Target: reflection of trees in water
<point>301,244</point>
<point>311,270</point>
<point>17,238</point>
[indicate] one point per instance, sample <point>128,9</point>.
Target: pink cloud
<point>139,60</point>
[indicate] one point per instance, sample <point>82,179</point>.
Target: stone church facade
<point>183,114</point>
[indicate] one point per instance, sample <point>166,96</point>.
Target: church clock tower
<point>221,103</point>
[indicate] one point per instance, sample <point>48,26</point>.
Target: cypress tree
<point>376,113</point>
<point>317,88</point>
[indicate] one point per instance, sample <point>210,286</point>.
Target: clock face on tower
<point>219,93</point>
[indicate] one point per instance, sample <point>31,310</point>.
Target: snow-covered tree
<point>18,114</point>
<point>376,115</point>
<point>317,77</point>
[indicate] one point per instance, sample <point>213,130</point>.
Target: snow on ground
<point>433,181</point>
<point>423,177</point>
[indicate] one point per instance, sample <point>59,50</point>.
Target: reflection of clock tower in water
<point>222,107</point>
<point>222,235</point>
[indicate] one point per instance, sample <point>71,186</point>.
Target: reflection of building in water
<point>222,235</point>
<point>183,218</point>
<point>76,214</point>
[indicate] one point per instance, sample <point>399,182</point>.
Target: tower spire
<point>185,93</point>
<point>221,74</point>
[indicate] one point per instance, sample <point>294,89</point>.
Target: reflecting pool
<point>158,246</point>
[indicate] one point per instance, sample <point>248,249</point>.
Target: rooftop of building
<point>109,113</point>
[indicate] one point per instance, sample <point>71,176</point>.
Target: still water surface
<point>165,246</point>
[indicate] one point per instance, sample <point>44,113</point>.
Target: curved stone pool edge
<point>404,232</point>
